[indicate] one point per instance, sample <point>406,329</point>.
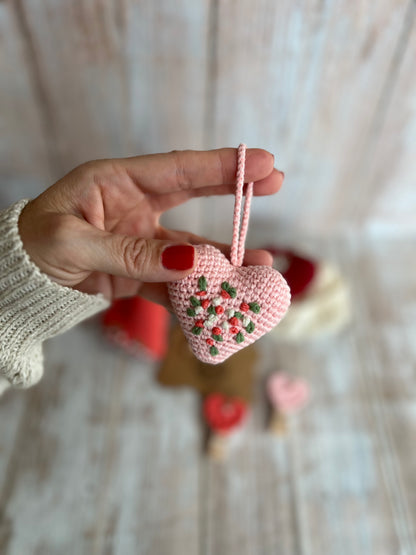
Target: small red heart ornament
<point>287,394</point>
<point>224,414</point>
<point>223,308</point>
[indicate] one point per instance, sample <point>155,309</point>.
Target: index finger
<point>191,169</point>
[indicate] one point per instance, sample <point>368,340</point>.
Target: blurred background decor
<point>330,88</point>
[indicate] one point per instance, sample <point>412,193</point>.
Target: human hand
<point>97,229</point>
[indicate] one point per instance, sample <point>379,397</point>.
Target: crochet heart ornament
<point>223,306</point>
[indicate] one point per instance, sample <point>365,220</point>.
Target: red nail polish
<point>178,257</point>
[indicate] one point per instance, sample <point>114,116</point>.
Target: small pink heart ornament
<point>287,394</point>
<point>223,308</point>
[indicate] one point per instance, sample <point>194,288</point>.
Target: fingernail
<point>178,257</point>
<point>283,174</point>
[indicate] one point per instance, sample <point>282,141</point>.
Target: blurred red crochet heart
<point>299,272</point>
<point>224,414</point>
<point>287,394</point>
<point>223,308</point>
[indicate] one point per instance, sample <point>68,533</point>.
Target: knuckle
<point>182,177</point>
<point>88,169</point>
<point>136,256</point>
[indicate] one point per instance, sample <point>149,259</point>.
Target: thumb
<point>149,260</point>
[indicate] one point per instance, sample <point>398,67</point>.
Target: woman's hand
<point>97,229</point>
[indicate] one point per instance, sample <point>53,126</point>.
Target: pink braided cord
<point>239,233</point>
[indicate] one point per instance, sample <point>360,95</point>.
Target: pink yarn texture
<point>222,306</point>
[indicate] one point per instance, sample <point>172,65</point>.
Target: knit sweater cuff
<point>32,306</point>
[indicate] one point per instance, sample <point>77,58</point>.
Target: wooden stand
<point>217,446</point>
<point>278,423</point>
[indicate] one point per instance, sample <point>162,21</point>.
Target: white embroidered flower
<point>246,321</point>
<point>225,326</point>
<point>198,310</point>
<point>230,312</point>
<point>217,301</point>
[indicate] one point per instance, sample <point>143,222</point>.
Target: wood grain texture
<point>328,87</point>
<point>78,47</point>
<point>305,81</point>
<point>103,461</point>
<point>166,64</point>
<point>99,459</point>
<point>391,182</point>
<point>23,146</point>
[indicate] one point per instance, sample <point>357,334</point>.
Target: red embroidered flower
<point>244,307</point>
<point>219,309</point>
<point>216,331</point>
<point>210,341</point>
<point>199,323</point>
<point>234,321</point>
<point>225,294</point>
<point>205,304</point>
<point>200,293</point>
<point>234,330</point>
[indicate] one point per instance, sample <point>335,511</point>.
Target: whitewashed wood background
<point>98,459</point>
<point>329,87</point>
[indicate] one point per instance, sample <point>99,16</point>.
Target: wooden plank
<point>390,196</point>
<point>166,61</point>
<point>114,76</point>
<point>389,405</point>
<point>166,57</point>
<point>150,503</point>
<point>23,146</point>
<point>78,47</point>
<point>105,459</point>
<point>56,468</point>
<point>301,80</point>
<point>12,413</point>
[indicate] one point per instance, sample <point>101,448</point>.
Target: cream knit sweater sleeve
<point>32,307</point>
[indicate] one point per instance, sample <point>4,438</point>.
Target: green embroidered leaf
<point>254,307</point>
<point>225,285</point>
<point>197,330</point>
<point>232,292</point>
<point>213,351</point>
<point>211,310</point>
<point>218,337</point>
<point>239,337</point>
<point>195,301</point>
<point>250,327</point>
<point>238,315</point>
<point>202,283</point>
<point>191,312</point>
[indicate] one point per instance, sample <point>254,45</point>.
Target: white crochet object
<point>32,307</point>
<point>324,309</point>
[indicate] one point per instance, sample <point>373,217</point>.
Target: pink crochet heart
<point>223,308</point>
<point>287,394</point>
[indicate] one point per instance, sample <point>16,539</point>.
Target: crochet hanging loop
<point>240,228</point>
